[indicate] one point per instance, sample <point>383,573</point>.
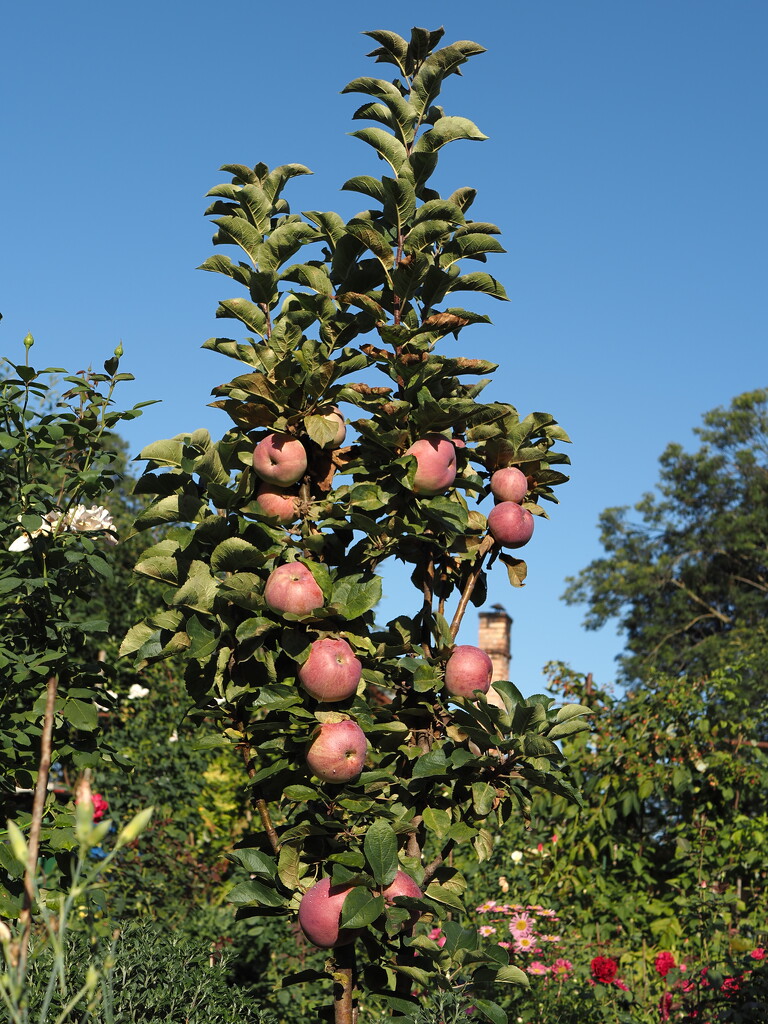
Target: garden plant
<point>371,770</point>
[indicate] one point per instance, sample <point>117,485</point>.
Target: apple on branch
<point>336,751</point>
<point>436,464</point>
<point>292,588</point>
<point>509,484</point>
<point>510,524</point>
<point>277,501</point>
<point>280,459</point>
<point>331,672</point>
<point>468,669</point>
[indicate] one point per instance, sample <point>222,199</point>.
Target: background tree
<point>280,506</point>
<point>693,571</point>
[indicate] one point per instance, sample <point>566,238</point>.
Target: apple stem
<point>344,1005</point>
<point>471,583</point>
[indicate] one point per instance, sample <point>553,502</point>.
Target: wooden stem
<point>344,980</point>
<point>38,808</point>
<point>471,583</point>
<point>261,804</point>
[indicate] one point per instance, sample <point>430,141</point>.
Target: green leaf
<point>483,797</point>
<point>244,234</point>
<point>360,908</point>
<point>254,893</point>
<point>380,847</point>
<point>491,1011</point>
<point>235,554</point>
<point>437,821</point>
<point>255,861</point>
<point>442,894</point>
<point>353,596</point>
<point>81,715</point>
<point>387,146</point>
<point>478,282</point>
<point>448,129</point>
<point>432,764</point>
<point>175,508</point>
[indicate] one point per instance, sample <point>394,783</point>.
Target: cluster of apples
<point>280,461</point>
<point>331,673</point>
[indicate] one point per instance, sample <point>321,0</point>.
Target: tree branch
<point>344,979</point>
<point>471,583</point>
<point>38,807</point>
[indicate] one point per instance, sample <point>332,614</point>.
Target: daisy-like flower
<point>526,943</point>
<point>487,907</point>
<point>520,924</point>
<point>562,968</point>
<point>537,967</point>
<point>549,938</point>
<point>486,929</point>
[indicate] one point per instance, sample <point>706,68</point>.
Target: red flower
<point>664,963</point>
<point>604,969</point>
<point>731,986</point>
<point>100,806</point>
<point>758,954</point>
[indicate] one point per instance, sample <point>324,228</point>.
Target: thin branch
<point>431,869</point>
<point>38,807</point>
<point>471,583</point>
<point>427,588</point>
<point>694,597</point>
<point>261,804</point>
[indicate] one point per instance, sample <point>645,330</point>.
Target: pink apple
<point>404,885</point>
<point>468,669</point>
<point>336,752</point>
<point>336,419</point>
<point>280,459</point>
<point>510,524</point>
<point>292,588</point>
<point>436,469</point>
<point>509,484</point>
<point>320,914</point>
<point>278,502</point>
<point>331,672</point>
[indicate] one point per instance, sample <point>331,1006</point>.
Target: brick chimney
<point>495,638</point>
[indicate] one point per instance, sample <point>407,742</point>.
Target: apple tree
<point>366,768</point>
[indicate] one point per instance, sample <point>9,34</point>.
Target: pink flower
<point>486,929</point>
<point>562,968</point>
<point>520,924</point>
<point>437,936</point>
<point>537,967</point>
<point>664,963</point>
<point>758,954</point>
<point>100,806</point>
<point>665,1005</point>
<point>487,907</point>
<point>526,943</point>
<point>620,984</point>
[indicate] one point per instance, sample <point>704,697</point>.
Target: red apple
<point>280,459</point>
<point>320,914</point>
<point>336,752</point>
<point>292,588</point>
<point>278,502</point>
<point>510,524</point>
<point>331,672</point>
<point>468,669</point>
<point>509,484</point>
<point>436,469</point>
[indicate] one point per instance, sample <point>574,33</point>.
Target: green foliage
<point>664,855</point>
<point>692,572</point>
<point>60,458</point>
<point>442,774</point>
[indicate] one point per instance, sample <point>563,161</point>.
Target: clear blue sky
<point>627,166</point>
